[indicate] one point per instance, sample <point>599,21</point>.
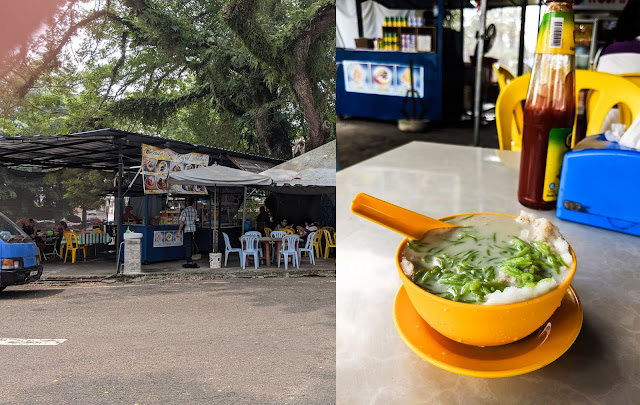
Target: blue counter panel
<point>362,92</point>
<point>157,254</point>
<point>203,239</point>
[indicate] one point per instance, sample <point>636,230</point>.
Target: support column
<point>478,85</point>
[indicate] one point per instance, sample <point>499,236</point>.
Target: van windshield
<point>10,232</point>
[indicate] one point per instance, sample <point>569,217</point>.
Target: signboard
<point>382,79</point>
<point>605,5</point>
<point>166,238</point>
<point>157,163</point>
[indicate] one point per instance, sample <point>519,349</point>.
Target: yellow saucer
<point>533,352</point>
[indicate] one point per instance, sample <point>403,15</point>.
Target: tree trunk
<point>262,130</point>
<point>301,83</point>
<point>300,80</point>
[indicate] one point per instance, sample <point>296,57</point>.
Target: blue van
<point>18,254</point>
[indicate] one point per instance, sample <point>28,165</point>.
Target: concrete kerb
<point>102,272</point>
<point>207,274</point>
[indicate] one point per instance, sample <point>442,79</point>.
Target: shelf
<point>428,44</point>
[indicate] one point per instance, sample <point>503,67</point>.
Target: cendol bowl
<point>483,325</point>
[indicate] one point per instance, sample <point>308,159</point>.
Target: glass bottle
<point>549,109</point>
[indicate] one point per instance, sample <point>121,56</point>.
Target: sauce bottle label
<point>559,144</point>
<point>556,34</point>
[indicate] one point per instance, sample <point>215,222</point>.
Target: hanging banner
<point>157,163</point>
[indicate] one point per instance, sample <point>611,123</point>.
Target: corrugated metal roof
<point>100,149</point>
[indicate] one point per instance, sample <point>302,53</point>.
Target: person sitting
<point>29,227</point>
<point>282,225</point>
<point>309,226</point>
<point>623,55</point>
<point>62,227</point>
<point>128,217</point>
<point>60,230</point>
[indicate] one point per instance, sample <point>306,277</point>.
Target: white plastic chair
<point>308,247</point>
<point>259,235</point>
<point>250,248</point>
<point>228,249</point>
<point>289,244</point>
<point>276,234</point>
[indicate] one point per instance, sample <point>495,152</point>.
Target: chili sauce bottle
<point>549,109</point>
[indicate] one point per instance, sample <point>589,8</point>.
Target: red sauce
<point>539,119</point>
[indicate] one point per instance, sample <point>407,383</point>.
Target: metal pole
<point>594,43</point>
<point>478,86</point>
<point>359,14</point>
<point>244,209</point>
<point>118,214</point>
<point>217,212</point>
<point>523,14</point>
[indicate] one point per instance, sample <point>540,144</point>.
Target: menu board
<point>383,79</point>
<point>157,163</point>
<point>166,238</point>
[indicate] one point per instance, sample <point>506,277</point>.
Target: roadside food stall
<point>374,80</point>
<point>305,187</point>
<point>113,150</point>
<point>224,184</point>
<point>168,179</point>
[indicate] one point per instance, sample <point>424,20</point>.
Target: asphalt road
<point>238,341</point>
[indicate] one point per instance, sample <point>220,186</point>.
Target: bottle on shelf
<point>549,109</point>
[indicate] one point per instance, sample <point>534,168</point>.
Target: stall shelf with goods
<point>376,83</point>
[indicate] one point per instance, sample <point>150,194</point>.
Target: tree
<point>179,69</point>
<point>28,194</point>
<point>83,188</point>
<point>293,51</point>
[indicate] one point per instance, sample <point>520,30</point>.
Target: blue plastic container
<point>600,186</point>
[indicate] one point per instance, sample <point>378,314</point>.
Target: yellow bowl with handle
<point>483,325</point>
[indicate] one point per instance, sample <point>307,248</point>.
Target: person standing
<point>188,218</point>
<point>263,219</point>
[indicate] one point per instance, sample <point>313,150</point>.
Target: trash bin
<point>132,252</point>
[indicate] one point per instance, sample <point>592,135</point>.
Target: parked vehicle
<point>18,255</point>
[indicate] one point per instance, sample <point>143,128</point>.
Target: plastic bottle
<point>549,110</point>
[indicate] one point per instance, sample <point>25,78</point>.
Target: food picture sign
<point>157,163</point>
<point>166,238</point>
<point>382,79</point>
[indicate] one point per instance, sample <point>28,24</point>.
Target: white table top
<point>373,364</point>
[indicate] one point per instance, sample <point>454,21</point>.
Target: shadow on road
<point>8,295</point>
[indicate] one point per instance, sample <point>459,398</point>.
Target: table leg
<point>267,253</point>
<point>277,255</point>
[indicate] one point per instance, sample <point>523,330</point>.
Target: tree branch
<point>117,66</point>
<point>49,59</point>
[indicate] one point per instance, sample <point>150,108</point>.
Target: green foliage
<point>28,194</point>
<point>173,68</point>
